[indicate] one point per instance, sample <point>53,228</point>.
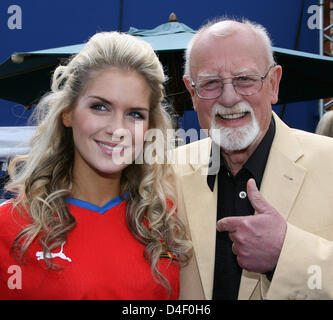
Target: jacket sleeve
<point>304,269</point>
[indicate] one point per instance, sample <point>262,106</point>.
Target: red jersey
<point>100,259</point>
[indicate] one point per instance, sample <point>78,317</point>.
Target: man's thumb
<point>259,204</point>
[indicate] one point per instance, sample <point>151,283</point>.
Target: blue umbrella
<point>25,76</point>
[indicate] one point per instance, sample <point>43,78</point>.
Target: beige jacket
<point>298,182</point>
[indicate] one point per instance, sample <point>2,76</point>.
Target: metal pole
<point>321,47</point>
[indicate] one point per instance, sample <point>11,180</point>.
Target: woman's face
<point>109,121</point>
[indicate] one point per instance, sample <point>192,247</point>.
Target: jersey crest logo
<point>60,254</point>
<point>166,254</point>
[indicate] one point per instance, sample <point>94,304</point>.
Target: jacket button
<point>242,194</point>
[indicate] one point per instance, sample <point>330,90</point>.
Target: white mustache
<point>238,108</point>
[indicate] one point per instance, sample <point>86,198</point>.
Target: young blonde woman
<point>88,222</point>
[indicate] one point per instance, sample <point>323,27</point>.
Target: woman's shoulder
<point>11,219</point>
<point>5,208</point>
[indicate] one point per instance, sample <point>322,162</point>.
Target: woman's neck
<point>94,187</point>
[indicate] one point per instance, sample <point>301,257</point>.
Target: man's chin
<point>234,140</point>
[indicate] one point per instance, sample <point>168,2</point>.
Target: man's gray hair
<point>325,125</point>
<point>259,30</point>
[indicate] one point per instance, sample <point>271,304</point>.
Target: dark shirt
<point>232,200</point>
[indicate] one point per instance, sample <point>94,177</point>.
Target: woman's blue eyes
<point>99,107</point>
<point>133,114</point>
<point>136,115</point>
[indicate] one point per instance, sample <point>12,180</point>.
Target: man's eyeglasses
<point>245,85</point>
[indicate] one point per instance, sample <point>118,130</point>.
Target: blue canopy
<point>25,76</point>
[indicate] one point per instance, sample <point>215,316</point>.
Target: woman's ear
<point>67,118</point>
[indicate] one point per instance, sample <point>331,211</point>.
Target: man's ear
<point>67,118</point>
<point>191,90</point>
<point>275,83</point>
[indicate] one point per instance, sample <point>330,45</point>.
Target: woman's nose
<point>116,127</point>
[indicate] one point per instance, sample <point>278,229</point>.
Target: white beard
<point>234,139</point>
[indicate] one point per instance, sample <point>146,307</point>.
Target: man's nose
<point>229,96</point>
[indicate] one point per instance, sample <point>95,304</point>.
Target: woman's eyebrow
<point>100,98</point>
<point>109,103</point>
<point>139,109</point>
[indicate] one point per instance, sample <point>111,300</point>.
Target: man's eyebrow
<point>208,75</point>
<point>246,70</point>
<point>238,72</point>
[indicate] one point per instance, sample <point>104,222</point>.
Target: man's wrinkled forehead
<point>240,41</point>
<point>222,29</point>
<point>226,28</point>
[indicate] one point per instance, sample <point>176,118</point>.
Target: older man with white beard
<point>252,244</point>
<point>233,139</point>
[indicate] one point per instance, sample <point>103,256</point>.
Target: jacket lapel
<point>283,177</point>
<point>281,183</point>
<point>201,206</point>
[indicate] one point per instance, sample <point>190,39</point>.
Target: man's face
<point>243,120</point>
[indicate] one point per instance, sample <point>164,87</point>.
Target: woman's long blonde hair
<point>42,179</point>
